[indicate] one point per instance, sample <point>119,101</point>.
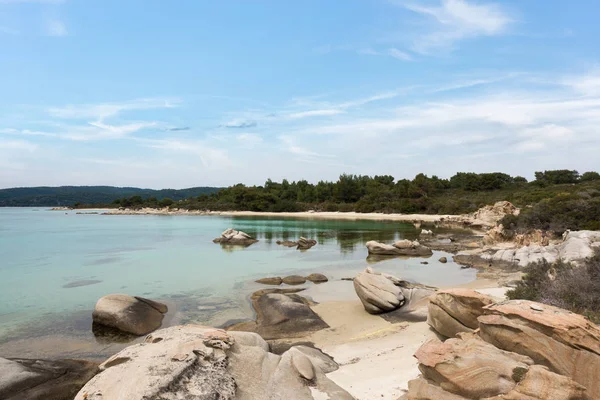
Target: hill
<point>45,196</point>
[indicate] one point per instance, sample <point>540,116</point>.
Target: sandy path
<point>343,215</point>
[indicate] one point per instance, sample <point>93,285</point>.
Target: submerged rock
<point>270,281</point>
<point>294,280</point>
<point>400,248</point>
<point>317,278</point>
<point>200,362</point>
<point>233,237</point>
<point>131,314</point>
<point>22,379</point>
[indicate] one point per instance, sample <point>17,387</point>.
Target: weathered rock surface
<point>301,244</point>
<point>280,315</point>
<point>575,247</point>
<point>294,280</point>
<point>490,215</point>
<point>400,248</point>
<point>469,368</point>
<point>564,342</point>
<point>131,314</point>
<point>377,293</point>
<point>23,379</point>
<point>454,311</point>
<point>384,293</point>
<point>231,236</point>
<point>276,280</point>
<point>197,362</point>
<point>317,278</point>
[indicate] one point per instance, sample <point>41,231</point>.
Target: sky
<point>182,93</point>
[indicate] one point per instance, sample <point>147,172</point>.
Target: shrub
<point>562,285</point>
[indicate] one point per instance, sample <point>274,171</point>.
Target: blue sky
<point>158,93</point>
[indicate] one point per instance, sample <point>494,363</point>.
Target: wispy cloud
<point>314,113</point>
<point>210,157</point>
<point>105,110</point>
<point>241,124</point>
<point>178,129</point>
<point>456,20</point>
<point>8,30</point>
<point>400,55</point>
<point>55,27</point>
<point>18,145</point>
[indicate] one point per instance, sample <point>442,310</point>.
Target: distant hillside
<point>45,196</point>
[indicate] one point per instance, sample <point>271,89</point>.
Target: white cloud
<point>18,145</point>
<point>249,138</point>
<point>55,27</point>
<point>105,110</point>
<point>210,157</point>
<point>400,55</point>
<point>455,20</point>
<point>241,124</point>
<point>314,113</point>
<point>588,84</point>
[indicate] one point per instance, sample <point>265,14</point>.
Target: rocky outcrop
<point>233,237</point>
<point>22,379</point>
<point>469,368</point>
<point>454,311</point>
<point>575,247</point>
<point>281,314</point>
<point>199,362</point>
<point>400,248</point>
<point>130,314</point>
<point>489,216</point>
<point>383,293</point>
<point>566,343</point>
<point>301,244</point>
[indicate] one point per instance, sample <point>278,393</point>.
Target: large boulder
<point>130,314</point>
<point>25,379</point>
<point>400,248</point>
<point>565,342</point>
<point>456,310</point>
<point>281,315</point>
<point>233,237</point>
<point>377,293</point>
<point>469,368</point>
<point>490,215</point>
<point>199,362</point>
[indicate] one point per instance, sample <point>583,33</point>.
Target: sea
<point>55,265</point>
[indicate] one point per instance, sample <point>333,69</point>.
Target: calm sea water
<point>55,265</point>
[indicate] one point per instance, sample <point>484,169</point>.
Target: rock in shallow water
<point>131,314</point>
<point>270,281</point>
<point>317,278</point>
<point>231,236</point>
<point>294,280</point>
<point>400,248</point>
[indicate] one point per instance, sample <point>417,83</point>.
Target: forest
<point>554,200</point>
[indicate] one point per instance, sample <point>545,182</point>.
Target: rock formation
<point>469,368</point>
<point>489,216</point>
<point>281,314</point>
<point>565,342</point>
<point>199,362</point>
<point>454,311</point>
<point>382,293</point>
<point>233,237</point>
<point>400,248</point>
<point>301,244</point>
<point>22,379</point>
<point>130,314</point>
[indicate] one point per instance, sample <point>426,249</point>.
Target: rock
<point>469,368</point>
<point>443,260</point>
<point>270,281</point>
<point>231,236</point>
<point>490,215</point>
<point>377,293</point>
<point>456,310</point>
<point>317,278</point>
<point>305,244</point>
<point>294,280</point>
<point>200,362</point>
<point>131,314</point>
<point>22,379</point>
<point>424,262</point>
<point>565,342</point>
<point>281,315</point>
<point>287,243</point>
<point>425,232</point>
<point>400,248</point>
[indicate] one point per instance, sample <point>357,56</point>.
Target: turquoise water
<point>172,258</point>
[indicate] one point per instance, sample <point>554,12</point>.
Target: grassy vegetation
<point>562,285</point>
